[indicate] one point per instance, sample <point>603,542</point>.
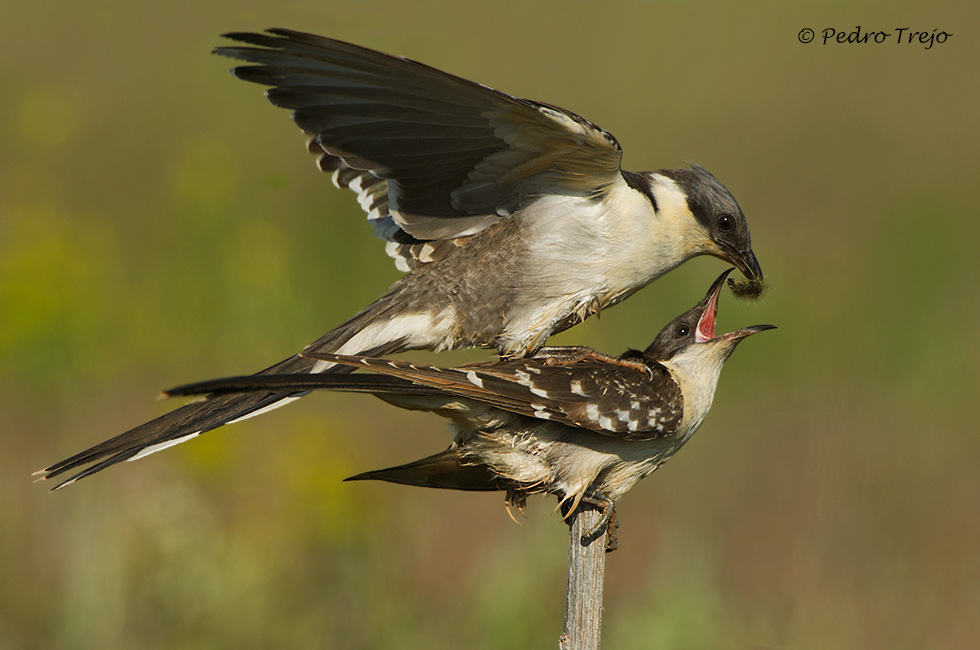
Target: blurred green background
<point>160,222</point>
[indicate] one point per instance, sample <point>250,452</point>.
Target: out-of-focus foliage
<point>161,223</point>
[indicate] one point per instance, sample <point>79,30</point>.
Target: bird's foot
<point>563,356</point>
<point>516,499</point>
<point>607,521</point>
<point>612,536</point>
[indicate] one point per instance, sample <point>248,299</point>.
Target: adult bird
<point>512,216</point>
<point>571,422</point>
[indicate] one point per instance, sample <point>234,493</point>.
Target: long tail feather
<point>176,426</point>
<point>377,384</point>
<point>216,410</point>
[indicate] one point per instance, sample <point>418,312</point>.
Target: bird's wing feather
<point>433,157</point>
<point>603,397</point>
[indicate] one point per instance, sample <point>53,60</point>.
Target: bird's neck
<point>696,370</point>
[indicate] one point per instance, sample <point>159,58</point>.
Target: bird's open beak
<point>706,325</point>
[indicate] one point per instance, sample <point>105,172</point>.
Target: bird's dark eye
<point>726,222</point>
<point>682,330</point>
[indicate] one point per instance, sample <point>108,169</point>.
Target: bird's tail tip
<point>43,475</point>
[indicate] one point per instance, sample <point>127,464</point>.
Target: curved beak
<point>746,262</point>
<point>738,335</point>
<point>706,324</point>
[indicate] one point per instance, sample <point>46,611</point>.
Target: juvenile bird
<point>571,422</point>
<point>513,217</point>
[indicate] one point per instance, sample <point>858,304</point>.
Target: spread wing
<point>433,158</point>
<point>604,397</point>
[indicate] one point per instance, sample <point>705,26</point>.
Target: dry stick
<point>586,571</point>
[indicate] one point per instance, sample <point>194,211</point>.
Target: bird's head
<point>690,338</point>
<point>716,224</point>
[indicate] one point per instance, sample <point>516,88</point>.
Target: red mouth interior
<point>706,326</point>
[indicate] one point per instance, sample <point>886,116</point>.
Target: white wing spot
<point>592,411</point>
<point>577,388</point>
<point>425,255</point>
<point>541,412</point>
<point>474,379</point>
<point>654,423</point>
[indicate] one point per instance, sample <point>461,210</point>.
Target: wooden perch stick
<point>586,572</point>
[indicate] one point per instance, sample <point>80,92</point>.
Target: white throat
<point>697,370</point>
